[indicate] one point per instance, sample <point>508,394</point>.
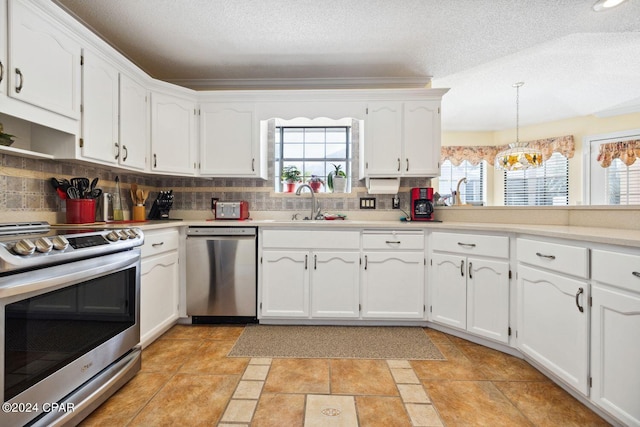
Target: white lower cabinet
<point>470,293</point>
<point>334,284</point>
<point>615,343</point>
<point>285,284</point>
<point>553,321</point>
<point>159,297</point>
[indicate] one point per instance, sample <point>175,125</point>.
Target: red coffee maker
<point>422,204</point>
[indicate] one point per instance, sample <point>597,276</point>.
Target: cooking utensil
<point>95,193</point>
<point>133,190</point>
<point>94,183</point>
<point>139,197</point>
<point>73,193</point>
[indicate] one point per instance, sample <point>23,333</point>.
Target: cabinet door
<point>383,139</point>
<point>172,135</point>
<point>285,284</point>
<point>227,138</point>
<point>448,283</point>
<point>551,328</point>
<point>615,347</point>
<point>421,139</point>
<point>335,284</point>
<point>134,123</point>
<point>45,61</point>
<point>488,298</point>
<point>393,285</point>
<point>159,285</point>
<point>99,109</point>
<point>4,70</point>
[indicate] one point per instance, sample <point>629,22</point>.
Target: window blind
<point>544,186</point>
<point>473,190</point>
<point>623,183</point>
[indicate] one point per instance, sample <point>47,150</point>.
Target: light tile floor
<point>186,379</point>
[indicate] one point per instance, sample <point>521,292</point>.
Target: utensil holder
<point>81,211</point>
<point>138,213</point>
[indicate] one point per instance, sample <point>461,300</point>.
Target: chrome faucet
<point>315,210</point>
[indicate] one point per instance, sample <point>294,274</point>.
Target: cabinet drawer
<point>471,244</point>
<point>390,240</point>
<point>304,239</point>
<point>617,269</point>
<point>157,242</point>
<point>565,259</point>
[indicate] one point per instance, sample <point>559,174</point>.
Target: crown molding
<point>305,83</point>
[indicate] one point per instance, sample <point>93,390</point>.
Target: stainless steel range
<point>69,302</point>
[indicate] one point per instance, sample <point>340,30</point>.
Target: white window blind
<point>544,186</point>
<point>473,190</point>
<point>623,183</point>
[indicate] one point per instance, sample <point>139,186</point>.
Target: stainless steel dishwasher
<point>221,274</point>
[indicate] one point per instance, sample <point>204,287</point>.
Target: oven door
<point>62,325</point>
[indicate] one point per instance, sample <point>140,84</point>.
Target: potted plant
<point>290,176</point>
<point>5,138</point>
<point>337,179</point>
<point>315,182</point>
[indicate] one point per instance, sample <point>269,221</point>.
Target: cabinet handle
<point>1,71</point>
<point>462,268</point>
<point>397,242</point>
<point>407,164</point>
<point>253,165</point>
<point>126,153</point>
<point>306,259</point>
<point>155,160</point>
<point>635,273</point>
<point>470,275</point>
<point>315,262</point>
<point>117,150</point>
<point>155,245</point>
<point>19,87</point>
<point>366,262</point>
<point>580,291</point>
<point>398,164</point>
<point>467,245</point>
<point>545,256</point>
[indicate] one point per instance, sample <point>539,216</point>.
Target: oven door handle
<point>61,276</point>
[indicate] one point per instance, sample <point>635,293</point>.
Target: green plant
<point>291,174</point>
<point>5,138</point>
<point>315,178</point>
<point>337,172</point>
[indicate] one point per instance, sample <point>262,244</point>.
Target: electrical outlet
<point>395,202</point>
<point>367,202</point>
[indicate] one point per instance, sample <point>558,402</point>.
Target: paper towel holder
<point>389,185</point>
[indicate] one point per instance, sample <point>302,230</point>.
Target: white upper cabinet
<point>229,141</point>
<point>134,124</point>
<point>173,134</point>
<point>44,61</point>
<point>100,109</point>
<point>3,47</point>
<point>402,139</point>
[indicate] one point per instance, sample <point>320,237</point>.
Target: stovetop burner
<point>30,245</point>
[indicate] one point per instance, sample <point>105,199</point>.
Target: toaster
<point>232,210</point>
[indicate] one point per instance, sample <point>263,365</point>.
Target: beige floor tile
<point>187,332</point>
<point>456,366</point>
<point>413,393</point>
<point>546,404</point>
<point>404,376</point>
<point>381,411</point>
<point>232,425</point>
<point>499,366</point>
<point>192,400</point>
<point>398,364</point>
<point>210,359</point>
<point>437,337</point>
<point>330,411</point>
<point>298,376</point>
<point>279,410</point>
<point>168,355</point>
<point>423,415</point>
<point>256,372</point>
<point>225,332</point>
<point>239,411</point>
<point>362,377</point>
<point>473,403</point>
<point>248,390</point>
<point>260,361</point>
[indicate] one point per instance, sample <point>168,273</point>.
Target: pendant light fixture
<point>519,155</point>
<point>606,4</point>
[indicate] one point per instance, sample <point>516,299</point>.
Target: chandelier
<point>519,155</point>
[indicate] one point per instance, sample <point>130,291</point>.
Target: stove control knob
<point>123,234</point>
<point>133,234</point>
<point>24,247</point>
<point>60,243</point>
<point>113,236</point>
<point>44,245</point>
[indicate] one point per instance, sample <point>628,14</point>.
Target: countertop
<point>612,236</point>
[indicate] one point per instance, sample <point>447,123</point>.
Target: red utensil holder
<point>81,211</point>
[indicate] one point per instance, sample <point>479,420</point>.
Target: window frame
<point>537,181</point>
<point>483,179</point>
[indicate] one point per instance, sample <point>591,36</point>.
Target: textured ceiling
<point>574,61</point>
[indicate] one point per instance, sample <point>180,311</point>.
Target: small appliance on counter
<point>161,205</point>
<point>232,210</point>
<point>422,204</point>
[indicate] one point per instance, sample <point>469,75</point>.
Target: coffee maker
<point>422,204</point>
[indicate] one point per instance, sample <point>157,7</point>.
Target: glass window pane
<point>314,151</point>
<point>314,135</point>
<point>295,151</point>
<point>314,168</point>
<point>293,135</point>
<point>336,151</point>
<point>336,135</point>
